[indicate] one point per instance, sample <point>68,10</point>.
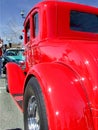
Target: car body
<point>60,88</point>
<point>13,55</point>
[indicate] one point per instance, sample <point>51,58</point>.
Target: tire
<point>6,83</point>
<point>4,70</point>
<point>34,108</point>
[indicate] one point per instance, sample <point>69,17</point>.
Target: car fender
<point>66,101</point>
<point>15,77</point>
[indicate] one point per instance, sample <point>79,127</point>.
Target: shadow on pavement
<point>15,129</point>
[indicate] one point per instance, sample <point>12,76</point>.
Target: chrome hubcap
<point>33,116</point>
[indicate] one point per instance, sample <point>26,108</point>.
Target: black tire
<point>6,83</point>
<point>34,107</point>
<point>4,70</point>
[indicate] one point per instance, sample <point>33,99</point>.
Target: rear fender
<point>65,98</point>
<point>15,77</point>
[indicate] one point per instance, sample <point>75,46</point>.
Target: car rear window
<point>84,22</point>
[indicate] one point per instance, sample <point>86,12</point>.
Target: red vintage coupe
<point>59,90</point>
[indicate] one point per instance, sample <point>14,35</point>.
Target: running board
<point>18,98</point>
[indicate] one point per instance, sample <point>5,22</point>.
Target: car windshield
<point>14,52</point>
<point>84,22</point>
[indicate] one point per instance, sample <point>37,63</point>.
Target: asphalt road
<point>11,118</point>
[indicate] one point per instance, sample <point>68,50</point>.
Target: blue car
<point>13,55</point>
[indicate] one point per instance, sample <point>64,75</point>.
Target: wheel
<point>34,108</point>
<point>6,83</point>
<point>4,70</point>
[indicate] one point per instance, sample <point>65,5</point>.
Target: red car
<point>60,88</point>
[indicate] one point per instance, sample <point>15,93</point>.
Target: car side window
<point>82,21</point>
<point>35,24</point>
<point>28,31</point>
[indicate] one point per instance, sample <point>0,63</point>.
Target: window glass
<point>84,22</point>
<point>28,31</point>
<point>14,52</point>
<point>36,25</point>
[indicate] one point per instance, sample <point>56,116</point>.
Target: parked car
<point>60,89</point>
<point>13,55</point>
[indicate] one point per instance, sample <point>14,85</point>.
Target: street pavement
<point>11,118</point>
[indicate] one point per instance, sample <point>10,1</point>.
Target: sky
<point>11,22</point>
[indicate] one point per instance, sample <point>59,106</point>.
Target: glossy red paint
<point>15,78</point>
<point>64,96</point>
<point>65,63</point>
